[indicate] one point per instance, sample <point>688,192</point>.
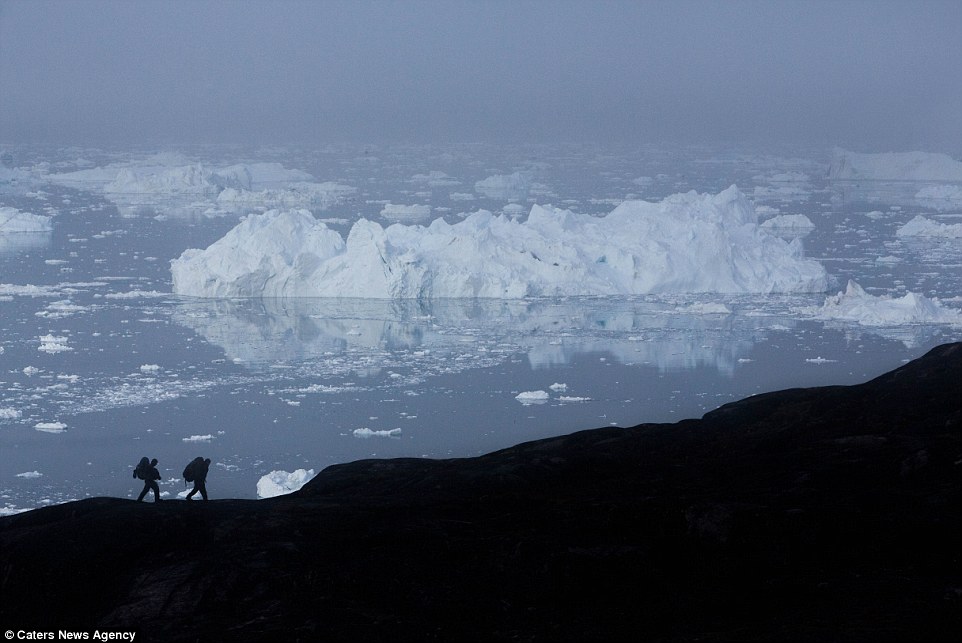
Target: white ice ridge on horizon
<point>687,243</point>
<point>279,483</point>
<point>894,166</point>
<point>173,174</point>
<point>13,220</point>
<point>856,305</point>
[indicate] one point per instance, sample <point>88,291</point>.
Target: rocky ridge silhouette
<point>828,513</point>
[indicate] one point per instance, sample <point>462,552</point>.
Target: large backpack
<point>193,468</point>
<point>142,467</point>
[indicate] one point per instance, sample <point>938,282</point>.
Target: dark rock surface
<point>828,514</point>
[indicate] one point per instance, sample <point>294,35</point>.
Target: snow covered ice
<point>279,483</point>
<point>923,227</point>
<point>686,243</point>
<point>854,304</point>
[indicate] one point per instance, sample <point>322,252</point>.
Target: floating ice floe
<point>940,197</point>
<point>509,187</point>
<point>923,227</point>
<point>51,427</point>
<point>398,212</point>
<point>383,433</point>
<point>59,309</point>
<point>137,294</point>
<point>151,369</point>
<point>13,220</point>
<point>295,195</point>
<point>198,438</point>
<point>687,243</point>
<point>894,166</point>
<point>782,192</point>
<point>532,397</point>
<point>279,483</point>
<point>856,305</point>
<point>789,225</point>
<point>6,413</point>
<point>53,344</point>
<point>13,174</point>
<point>703,308</point>
<point>435,179</point>
<point>30,474</point>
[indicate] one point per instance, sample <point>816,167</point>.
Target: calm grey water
<point>127,369</point>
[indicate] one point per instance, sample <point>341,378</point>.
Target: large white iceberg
<point>858,306</point>
<point>687,243</point>
<point>922,227</point>
<point>894,166</point>
<point>13,220</point>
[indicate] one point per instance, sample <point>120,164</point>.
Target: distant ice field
<point>100,363</point>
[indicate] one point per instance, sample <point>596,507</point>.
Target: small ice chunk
<point>558,388</point>
<point>368,433</point>
<point>30,474</point>
<point>51,427</point>
<point>199,438</point>
<point>532,397</point>
<point>53,344</point>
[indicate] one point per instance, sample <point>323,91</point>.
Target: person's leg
<point>144,491</point>
<point>156,489</point>
<point>203,489</point>
<point>192,491</point>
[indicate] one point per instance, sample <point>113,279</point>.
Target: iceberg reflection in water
<point>433,337</point>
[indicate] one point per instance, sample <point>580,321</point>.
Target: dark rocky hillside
<point>822,514</point>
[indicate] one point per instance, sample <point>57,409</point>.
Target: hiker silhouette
<point>196,472</point>
<point>147,471</point>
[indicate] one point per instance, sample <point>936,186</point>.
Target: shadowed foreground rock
<point>829,513</point>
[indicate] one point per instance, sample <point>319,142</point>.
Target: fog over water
<point>875,76</point>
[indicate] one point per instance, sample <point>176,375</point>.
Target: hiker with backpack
<point>196,472</point>
<point>147,471</point>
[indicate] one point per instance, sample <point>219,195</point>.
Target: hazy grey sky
<point>872,75</point>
